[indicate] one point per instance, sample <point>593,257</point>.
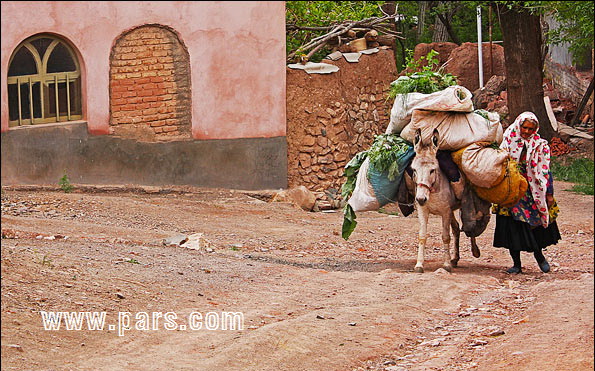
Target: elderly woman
<point>530,225</point>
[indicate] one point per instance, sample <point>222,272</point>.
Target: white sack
<point>363,198</point>
<point>456,130</point>
<point>453,99</point>
<point>483,166</point>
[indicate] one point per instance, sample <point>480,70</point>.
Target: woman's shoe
<point>514,270</point>
<point>544,266</point>
<point>542,261</point>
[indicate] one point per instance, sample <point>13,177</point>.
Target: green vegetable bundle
<point>428,79</point>
<point>385,152</point>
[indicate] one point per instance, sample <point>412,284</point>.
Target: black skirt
<point>516,235</point>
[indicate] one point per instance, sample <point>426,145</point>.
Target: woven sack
<point>457,129</point>
<point>509,191</point>
<point>452,99</point>
<point>483,166</point>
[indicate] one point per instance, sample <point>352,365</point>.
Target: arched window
<point>44,82</point>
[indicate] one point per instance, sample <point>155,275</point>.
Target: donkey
<point>435,195</point>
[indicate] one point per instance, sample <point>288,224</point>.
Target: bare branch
<point>372,23</point>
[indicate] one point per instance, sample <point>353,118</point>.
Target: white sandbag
<point>457,130</point>
<point>363,197</point>
<point>452,99</point>
<point>484,166</point>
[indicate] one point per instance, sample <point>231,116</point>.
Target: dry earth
<point>310,300</point>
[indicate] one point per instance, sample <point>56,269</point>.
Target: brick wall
<point>150,86</point>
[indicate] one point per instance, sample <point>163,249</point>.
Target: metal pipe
<point>479,47</point>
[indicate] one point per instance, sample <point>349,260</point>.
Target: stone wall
<point>150,85</point>
<point>332,117</point>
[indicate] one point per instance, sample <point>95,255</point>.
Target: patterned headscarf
<point>538,160</point>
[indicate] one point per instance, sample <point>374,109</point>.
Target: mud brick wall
<point>150,86</point>
<point>332,117</point>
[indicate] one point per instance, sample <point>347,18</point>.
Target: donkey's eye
<point>432,171</point>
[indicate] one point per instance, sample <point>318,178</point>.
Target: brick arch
<point>150,96</point>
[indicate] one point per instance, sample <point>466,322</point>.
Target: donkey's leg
<point>456,233</point>
<point>446,221</point>
<point>475,248</point>
<point>422,214</point>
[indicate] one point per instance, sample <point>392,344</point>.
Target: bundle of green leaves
<point>425,79</point>
<point>350,173</point>
<point>385,152</point>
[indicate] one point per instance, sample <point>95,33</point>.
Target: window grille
<point>44,82</point>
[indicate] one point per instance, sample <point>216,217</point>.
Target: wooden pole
<point>582,104</point>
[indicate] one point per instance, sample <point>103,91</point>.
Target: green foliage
<point>349,222</point>
<point>464,19</point>
<point>422,79</point>
<point>575,19</point>
<point>64,184</point>
<point>323,14</point>
<point>576,25</point>
<point>350,173</point>
<point>385,152</point>
<point>579,171</point>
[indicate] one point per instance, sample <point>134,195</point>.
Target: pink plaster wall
<point>236,48</point>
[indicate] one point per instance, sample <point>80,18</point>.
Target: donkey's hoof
<point>454,263</point>
<point>419,269</point>
<point>447,268</point>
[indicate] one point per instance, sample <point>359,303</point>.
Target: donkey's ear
<point>435,136</point>
<point>417,138</point>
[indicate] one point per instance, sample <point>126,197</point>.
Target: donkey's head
<point>425,166</point>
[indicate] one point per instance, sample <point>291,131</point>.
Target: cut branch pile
<point>341,33</point>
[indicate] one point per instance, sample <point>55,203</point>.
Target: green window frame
<point>44,82</point>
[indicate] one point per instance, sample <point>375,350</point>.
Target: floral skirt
<point>520,236</point>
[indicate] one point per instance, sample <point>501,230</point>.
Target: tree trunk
<point>391,8</point>
<point>441,31</point>
<point>421,18</point>
<point>521,34</point>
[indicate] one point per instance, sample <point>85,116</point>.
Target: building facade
<point>153,93</point>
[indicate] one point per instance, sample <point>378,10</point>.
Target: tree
<point>522,39</point>
<point>576,25</point>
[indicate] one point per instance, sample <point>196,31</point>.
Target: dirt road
<point>309,299</point>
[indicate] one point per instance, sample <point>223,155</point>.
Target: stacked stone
<point>336,133</point>
<point>149,85</point>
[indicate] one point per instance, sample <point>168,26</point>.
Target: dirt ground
<point>310,300</point>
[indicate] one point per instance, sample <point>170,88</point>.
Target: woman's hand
<point>549,199</point>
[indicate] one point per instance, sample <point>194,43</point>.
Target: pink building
<point>155,93</point>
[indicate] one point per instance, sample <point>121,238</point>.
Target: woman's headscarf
<point>538,160</point>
